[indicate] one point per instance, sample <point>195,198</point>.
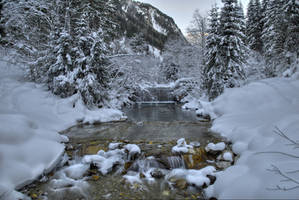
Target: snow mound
<point>228,156</point>
<point>133,150</point>
<point>193,177</point>
<point>215,147</point>
<point>252,118</point>
<point>105,160</point>
<point>181,147</point>
<point>30,119</point>
<point>113,146</point>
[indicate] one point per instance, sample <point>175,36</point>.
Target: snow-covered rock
<point>181,147</point>
<point>133,150</point>
<point>215,147</point>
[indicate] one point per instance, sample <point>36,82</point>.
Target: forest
<point>110,99</point>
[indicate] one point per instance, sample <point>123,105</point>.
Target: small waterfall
<point>143,165</point>
<point>155,95</point>
<point>176,162</point>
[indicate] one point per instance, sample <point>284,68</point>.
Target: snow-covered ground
<point>252,117</point>
<point>30,119</point>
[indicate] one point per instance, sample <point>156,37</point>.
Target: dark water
<point>163,112</point>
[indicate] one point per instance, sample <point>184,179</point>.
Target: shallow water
<point>155,128</point>
<point>163,112</point>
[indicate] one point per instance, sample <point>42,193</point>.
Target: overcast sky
<point>182,10</point>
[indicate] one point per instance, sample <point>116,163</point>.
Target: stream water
<point>155,128</point>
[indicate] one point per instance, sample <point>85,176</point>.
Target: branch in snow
<point>281,134</point>
<point>287,178</point>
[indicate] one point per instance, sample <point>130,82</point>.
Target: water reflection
<point>165,112</point>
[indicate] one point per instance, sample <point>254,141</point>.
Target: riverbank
<point>30,119</point>
<point>261,119</point>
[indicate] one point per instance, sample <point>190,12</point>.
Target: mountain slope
<point>146,21</point>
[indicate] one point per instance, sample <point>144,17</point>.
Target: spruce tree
<point>273,36</point>
<point>1,24</point>
<point>232,47</point>
<point>241,21</point>
<point>254,26</point>
<point>291,10</point>
<point>213,80</point>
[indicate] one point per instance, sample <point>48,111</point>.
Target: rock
<point>196,160</point>
<point>158,174</point>
<point>94,149</point>
<point>212,179</point>
<point>165,193</point>
<point>128,165</point>
<point>34,196</point>
<point>95,177</point>
<point>223,164</point>
<point>195,144</point>
<point>181,184</point>
<point>93,166</point>
<point>164,162</point>
<point>92,172</point>
<point>141,175</point>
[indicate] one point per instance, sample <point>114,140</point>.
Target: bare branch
<point>287,178</point>
<point>277,152</point>
<point>281,134</point>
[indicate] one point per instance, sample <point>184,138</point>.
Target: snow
<point>181,147</point>
<point>76,171</point>
<point>30,119</point>
<point>192,105</point>
<point>132,177</point>
<point>156,25</point>
<point>228,156</point>
<point>248,117</point>
<point>105,160</point>
<point>193,177</point>
<point>113,146</point>
<point>133,150</point>
<point>215,147</point>
<point>156,52</point>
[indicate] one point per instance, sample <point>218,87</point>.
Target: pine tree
<point>273,36</point>
<point>241,21</point>
<point>213,80</point>
<point>232,47</point>
<point>2,34</point>
<point>291,10</point>
<point>254,26</point>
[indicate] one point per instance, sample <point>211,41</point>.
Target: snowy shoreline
<point>248,117</point>
<point>31,119</point>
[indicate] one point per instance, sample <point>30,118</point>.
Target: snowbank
<point>30,119</point>
<point>248,116</point>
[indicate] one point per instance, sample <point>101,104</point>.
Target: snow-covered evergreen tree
<point>212,74</point>
<point>1,24</point>
<point>291,10</point>
<point>241,21</point>
<point>254,26</point>
<point>232,47</point>
<point>273,36</point>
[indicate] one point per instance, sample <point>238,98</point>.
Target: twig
<point>281,134</point>
<point>276,170</point>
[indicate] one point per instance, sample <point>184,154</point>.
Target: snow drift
<point>30,119</point>
<point>251,117</point>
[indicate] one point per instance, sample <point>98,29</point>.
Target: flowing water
<point>155,128</point>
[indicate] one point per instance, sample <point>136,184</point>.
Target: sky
<point>182,10</point>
